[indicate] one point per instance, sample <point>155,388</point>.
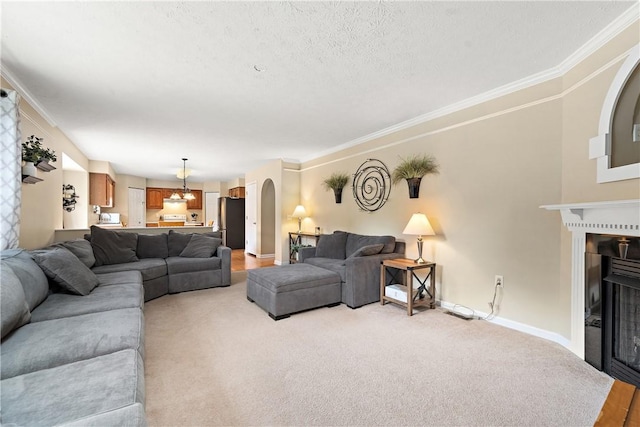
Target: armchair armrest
<point>304,253</point>
<point>362,284</point>
<point>224,253</point>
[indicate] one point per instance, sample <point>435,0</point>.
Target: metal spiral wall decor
<point>371,185</point>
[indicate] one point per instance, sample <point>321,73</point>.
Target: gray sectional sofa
<point>356,258</point>
<point>72,323</point>
<point>162,260</point>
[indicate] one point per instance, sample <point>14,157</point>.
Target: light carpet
<point>214,358</point>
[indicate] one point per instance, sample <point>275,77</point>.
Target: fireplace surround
<point>619,218</point>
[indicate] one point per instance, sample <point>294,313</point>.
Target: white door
<point>211,208</point>
<point>251,218</point>
<point>137,207</point>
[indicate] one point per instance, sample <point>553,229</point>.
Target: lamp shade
<point>419,226</point>
<point>299,212</point>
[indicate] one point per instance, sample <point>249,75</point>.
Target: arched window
<point>617,146</point>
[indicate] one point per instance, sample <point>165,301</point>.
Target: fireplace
<point>619,218</point>
<point>612,306</point>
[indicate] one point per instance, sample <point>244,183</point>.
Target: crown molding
<point>24,93</point>
<point>617,26</point>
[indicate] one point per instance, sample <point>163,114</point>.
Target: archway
<point>268,218</point>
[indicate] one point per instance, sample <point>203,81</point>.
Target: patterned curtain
<point>10,170</point>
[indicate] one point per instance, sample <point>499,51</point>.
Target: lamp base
<point>420,260</point>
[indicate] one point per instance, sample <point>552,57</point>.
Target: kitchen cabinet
<point>167,192</point>
<point>197,202</point>
<point>236,192</point>
<point>101,190</point>
<point>154,198</point>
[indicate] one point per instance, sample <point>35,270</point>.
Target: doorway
<point>137,208</point>
<point>268,219</point>
<point>251,212</point>
<point>211,208</point>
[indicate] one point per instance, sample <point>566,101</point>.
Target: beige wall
<point>500,160</point>
<point>41,210</point>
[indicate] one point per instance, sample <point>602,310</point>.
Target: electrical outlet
<point>499,280</point>
<point>636,132</point>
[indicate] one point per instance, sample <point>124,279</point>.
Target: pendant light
<point>186,193</point>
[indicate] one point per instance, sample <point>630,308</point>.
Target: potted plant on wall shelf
<point>35,156</point>
<point>412,170</point>
<point>336,182</point>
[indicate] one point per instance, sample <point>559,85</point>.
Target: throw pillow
<point>177,242</point>
<point>14,311</point>
<point>82,249</point>
<point>66,270</point>
<point>332,246</point>
<point>152,246</point>
<point>113,247</point>
<point>368,250</point>
<point>201,246</point>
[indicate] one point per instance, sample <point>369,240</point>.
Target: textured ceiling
<point>231,85</point>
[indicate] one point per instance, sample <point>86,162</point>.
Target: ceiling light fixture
<point>186,193</point>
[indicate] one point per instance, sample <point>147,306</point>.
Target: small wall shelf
<point>28,179</point>
<point>45,166</point>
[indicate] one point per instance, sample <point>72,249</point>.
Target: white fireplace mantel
<point>618,218</point>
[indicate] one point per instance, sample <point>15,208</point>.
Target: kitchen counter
<point>61,235</point>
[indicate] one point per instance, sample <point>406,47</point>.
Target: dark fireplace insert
<point>612,306</point>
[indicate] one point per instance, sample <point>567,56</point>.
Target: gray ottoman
<point>291,288</point>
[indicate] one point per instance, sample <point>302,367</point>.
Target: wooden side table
<point>415,295</point>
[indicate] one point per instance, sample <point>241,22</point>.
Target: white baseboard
<point>266,256</point>
<point>522,327</point>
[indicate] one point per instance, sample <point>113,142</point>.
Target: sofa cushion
<point>82,249</point>
<point>177,242</point>
<point>45,345</point>
<point>102,298</point>
<point>113,247</point>
<point>332,246</point>
<point>152,246</point>
<point>201,246</point>
<point>176,265</point>
<point>356,241</point>
<point>367,250</point>
<point>14,311</point>
<point>335,265</point>
<point>74,391</point>
<point>150,268</point>
<point>66,270</point>
<point>33,280</point>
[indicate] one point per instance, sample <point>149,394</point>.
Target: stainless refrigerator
<point>231,221</point>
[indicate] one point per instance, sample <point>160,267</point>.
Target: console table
<point>407,268</point>
<point>295,238</point>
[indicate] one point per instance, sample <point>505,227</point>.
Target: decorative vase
<point>623,247</point>
<point>337,192</point>
<point>30,169</point>
<point>414,187</point>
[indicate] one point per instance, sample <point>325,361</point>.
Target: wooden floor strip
<point>616,407</point>
<point>633,418</point>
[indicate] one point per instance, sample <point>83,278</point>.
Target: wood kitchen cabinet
<point>197,202</point>
<point>101,190</point>
<point>237,192</point>
<point>154,197</point>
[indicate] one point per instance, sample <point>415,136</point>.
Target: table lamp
<point>299,212</point>
<point>419,226</point>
